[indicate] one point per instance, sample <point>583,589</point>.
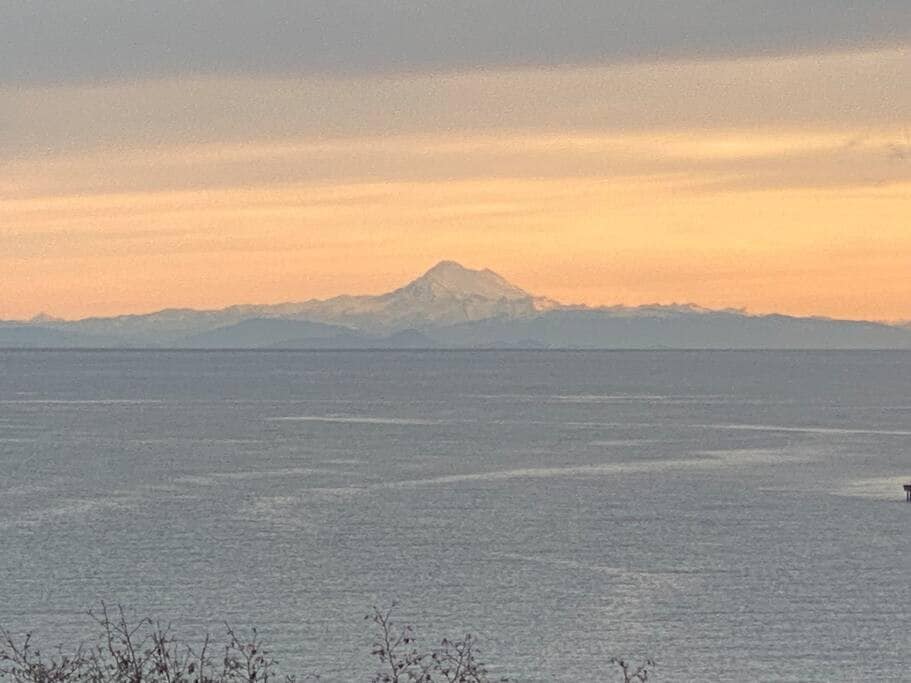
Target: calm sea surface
<point>737,516</point>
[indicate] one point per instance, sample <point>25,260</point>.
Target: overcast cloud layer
<point>91,40</point>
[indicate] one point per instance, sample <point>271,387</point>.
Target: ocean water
<point>736,516</point>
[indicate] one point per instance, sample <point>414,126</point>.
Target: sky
<point>736,154</point>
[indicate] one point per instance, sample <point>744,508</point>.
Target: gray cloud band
<point>96,40</point>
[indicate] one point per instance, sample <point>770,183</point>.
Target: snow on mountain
<point>449,279</point>
<point>454,306</point>
<point>447,294</point>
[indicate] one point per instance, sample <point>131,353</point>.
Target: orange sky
<point>768,184</point>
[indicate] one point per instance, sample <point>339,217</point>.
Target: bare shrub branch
<point>146,651</point>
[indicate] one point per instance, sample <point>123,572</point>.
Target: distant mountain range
<point>451,306</point>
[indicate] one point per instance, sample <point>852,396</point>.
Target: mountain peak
<point>447,266</point>
<point>454,279</point>
<point>43,318</point>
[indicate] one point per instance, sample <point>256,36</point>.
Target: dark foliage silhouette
<point>145,651</point>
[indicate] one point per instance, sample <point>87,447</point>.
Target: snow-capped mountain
<point>447,294</point>
<point>449,279</point>
<point>453,306</point>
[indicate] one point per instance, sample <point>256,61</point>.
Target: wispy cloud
<point>701,160</point>
<point>867,89</point>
